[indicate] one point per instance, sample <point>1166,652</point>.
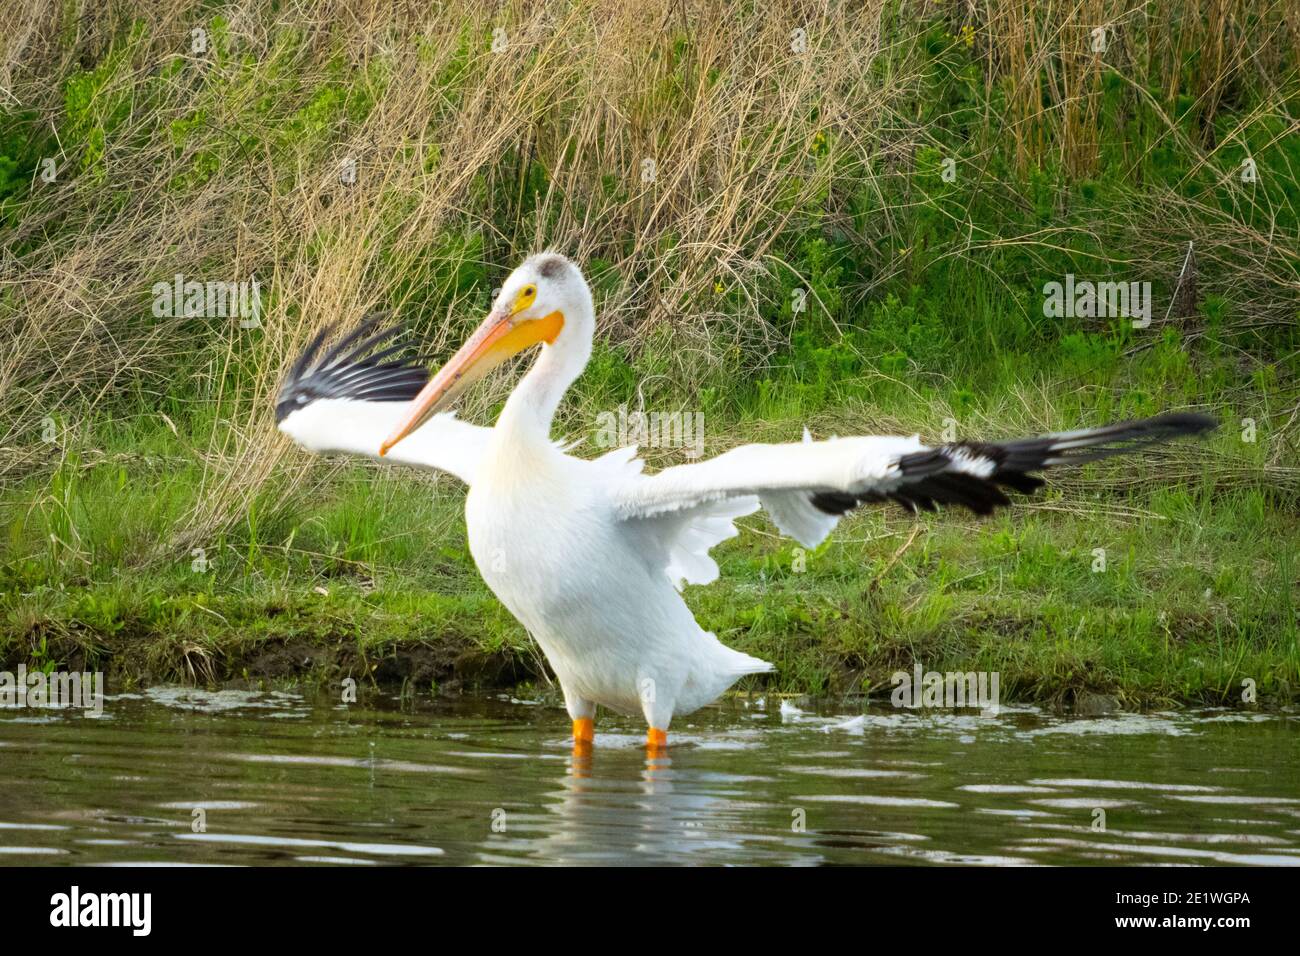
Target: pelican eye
<point>525,297</point>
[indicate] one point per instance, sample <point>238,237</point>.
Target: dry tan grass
<point>587,90</point>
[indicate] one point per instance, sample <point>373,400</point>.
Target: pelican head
<point>545,300</point>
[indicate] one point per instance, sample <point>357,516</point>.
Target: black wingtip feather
<point>1182,423</point>
<point>834,502</point>
<point>367,325</point>
<point>928,479</point>
<point>342,373</point>
<point>309,353</point>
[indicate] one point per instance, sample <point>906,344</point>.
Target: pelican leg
<point>658,696</point>
<point>583,713</point>
<point>584,732</point>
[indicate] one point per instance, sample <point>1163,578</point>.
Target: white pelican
<point>590,555</point>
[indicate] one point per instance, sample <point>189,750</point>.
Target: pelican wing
<point>345,403</point>
<point>806,487</point>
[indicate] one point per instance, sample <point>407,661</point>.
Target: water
<point>279,777</point>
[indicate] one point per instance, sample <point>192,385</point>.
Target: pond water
<point>182,776</point>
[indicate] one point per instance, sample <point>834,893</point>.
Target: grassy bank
<point>1189,603</point>
<point>845,221</point>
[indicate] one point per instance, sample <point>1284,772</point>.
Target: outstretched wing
<point>806,487</point>
<point>349,404</point>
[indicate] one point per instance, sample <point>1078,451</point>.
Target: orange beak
<point>497,339</point>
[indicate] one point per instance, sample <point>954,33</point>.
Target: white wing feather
<point>677,542</point>
<point>349,400</point>
<point>348,426</point>
<point>805,487</point>
<point>780,477</point>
